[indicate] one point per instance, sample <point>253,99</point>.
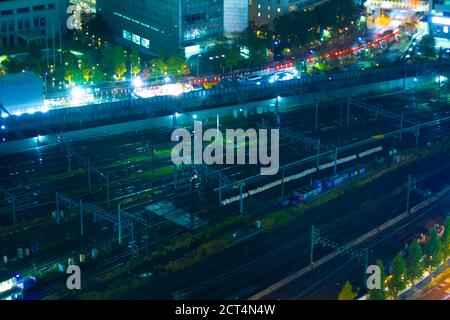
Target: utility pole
<point>60,47</point>
<point>153,161</point>
<point>220,188</point>
<point>13,200</point>
<point>316,124</point>
<point>241,199</point>
<point>54,46</point>
<point>282,186</point>
<point>318,154</point>
<point>401,125</point>
<point>107,189</point>
<point>277,113</point>
<point>47,47</point>
<point>348,111</point>
<point>366,263</point>
<point>89,175</point>
<point>404,74</point>
<point>315,237</point>
<point>57,208</point>
<point>146,237</point>
<point>335,159</point>
<point>174,118</point>
<point>119,222</point>
<point>175,176</point>
<point>417,135</point>
<point>81,218</point>
<point>408,196</point>
<point>69,160</point>
<point>133,252</point>
<point>198,65</point>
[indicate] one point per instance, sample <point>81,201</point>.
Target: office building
<point>439,21</point>
<point>25,21</point>
<point>172,26</point>
<point>236,14</point>
<point>264,12</point>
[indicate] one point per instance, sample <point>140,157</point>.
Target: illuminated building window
<point>136,39</point>
<point>145,43</point>
<point>126,35</point>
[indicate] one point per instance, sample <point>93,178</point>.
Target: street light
<point>137,82</point>
<point>46,85</point>
<point>276,43</point>
<point>198,64</point>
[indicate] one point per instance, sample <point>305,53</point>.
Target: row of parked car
<point>307,193</point>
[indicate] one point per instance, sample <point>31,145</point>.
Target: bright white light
<point>146,93</point>
<point>5,115</point>
<point>194,116</point>
<point>441,79</point>
<point>166,79</point>
<point>77,93</point>
<point>3,127</point>
<point>7,285</point>
<point>441,20</point>
<point>172,89</point>
<point>137,82</point>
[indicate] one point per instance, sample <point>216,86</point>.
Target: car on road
<point>284,76</point>
<point>196,87</point>
<point>254,78</point>
<point>146,275</point>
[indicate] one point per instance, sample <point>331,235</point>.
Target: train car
<point>357,171</point>
<point>9,287</point>
<point>340,179</point>
<point>14,293</point>
<point>292,201</point>
<point>317,183</point>
<point>328,184</point>
<point>307,193</point>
